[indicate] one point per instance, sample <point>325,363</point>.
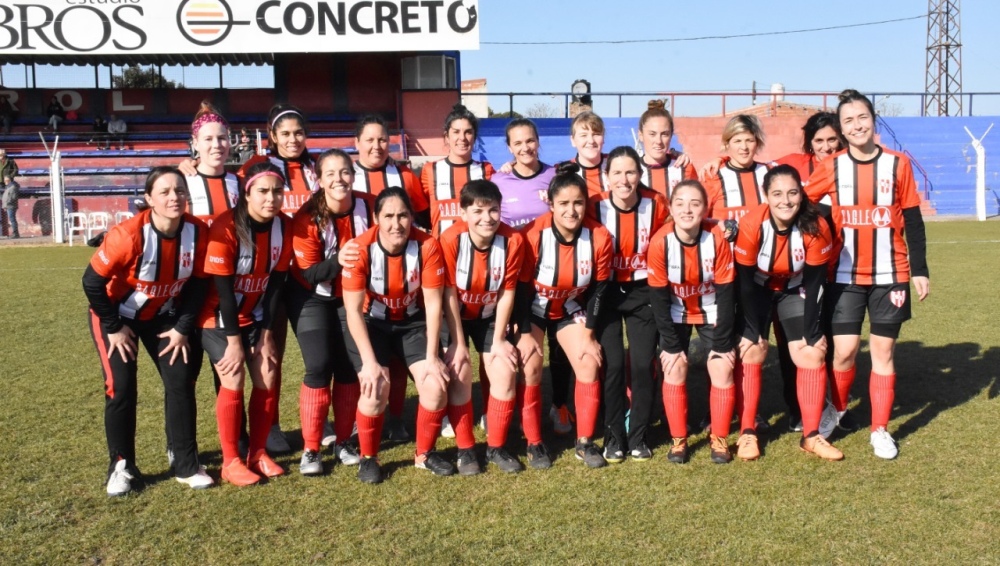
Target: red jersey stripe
<point>691,271</point>
<point>442,183</point>
<point>479,275</point>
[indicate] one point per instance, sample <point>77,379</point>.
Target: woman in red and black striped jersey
<point>662,169</point>
<point>334,215</point>
<point>442,180</point>
<point>483,258</point>
<point>736,187</point>
<point>567,265</point>
<point>882,248</point>
<point>781,253</point>
<point>145,284</point>
<point>393,298</point>
<point>288,131</point>
<point>691,280</point>
<point>586,133</point>
<point>631,213</point>
<point>249,252</point>
<point>212,190</point>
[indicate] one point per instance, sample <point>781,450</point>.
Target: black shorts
<point>705,331</point>
<point>406,340</point>
<point>888,307</point>
<point>214,341</point>
<point>481,331</point>
<point>790,307</point>
<point>549,325</point>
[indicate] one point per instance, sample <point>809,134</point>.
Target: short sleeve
<point>355,278</point>
<point>725,269</point>
<point>432,271</point>
<point>527,273</point>
<point>449,253</point>
<point>604,253</point>
<point>656,259</point>
<point>906,185</point>
<point>221,249</point>
<point>200,248</point>
<point>285,259</point>
<point>820,248</point>
<point>748,240</point>
<point>306,246</point>
<point>115,253</point>
<point>823,179</point>
<point>414,189</point>
<point>515,259</point>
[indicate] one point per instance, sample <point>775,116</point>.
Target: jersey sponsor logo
<point>485,299</point>
<point>216,259</point>
<point>153,290</point>
<point>740,250</point>
<point>397,303</point>
<point>103,257</point>
<point>879,217</point>
<point>737,213</point>
<point>552,294</point>
<point>629,263</point>
<point>898,298</point>
<point>250,285</point>
<point>688,291</point>
<point>826,249</point>
<point>449,209</point>
<point>206,23</point>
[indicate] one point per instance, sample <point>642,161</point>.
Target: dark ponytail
<point>567,175</point>
<point>460,112</point>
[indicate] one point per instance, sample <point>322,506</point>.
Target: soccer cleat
<point>612,450</point>
<point>447,431</point>
<point>562,419</point>
<point>746,446</point>
<point>641,453</point>
<point>311,463</point>
<point>276,441</point>
<point>481,423</point>
<point>678,453</point>
<point>589,453</point>
<point>503,460</point>
<point>200,479</point>
<point>467,463</point>
<point>370,471</point>
<point>538,457</point>
<point>120,479</point>
<point>847,422</point>
<point>794,424</point>
<point>761,424</point>
<point>883,444</point>
<point>263,465</point>
<point>329,437</point>
<point>720,453</point>
<point>434,463</point>
<point>396,431</point>
<point>347,453</point>
<point>829,420</point>
<point>820,447</point>
<point>236,473</point>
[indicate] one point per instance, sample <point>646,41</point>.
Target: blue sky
<point>884,58</point>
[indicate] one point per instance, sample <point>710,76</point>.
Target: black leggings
<point>121,393</point>
<point>320,325</point>
<point>629,301</point>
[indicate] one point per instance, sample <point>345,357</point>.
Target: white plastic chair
<point>97,222</point>
<point>122,216</point>
<point>75,222</point>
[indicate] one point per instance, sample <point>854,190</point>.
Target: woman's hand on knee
<point>669,362</point>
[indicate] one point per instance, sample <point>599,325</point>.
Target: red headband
<point>265,173</point>
<point>205,119</point>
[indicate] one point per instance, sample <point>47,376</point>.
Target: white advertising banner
<point>148,27</point>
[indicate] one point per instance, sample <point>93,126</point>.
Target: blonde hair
<point>588,120</point>
<point>740,124</point>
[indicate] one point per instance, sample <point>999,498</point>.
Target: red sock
<point>531,413</point>
<point>369,433</point>
<point>313,405</point>
<point>345,406</point>
<point>498,419</point>
<point>461,420</point>
<point>428,428</point>
<point>751,396</point>
<point>262,402</point>
<point>484,385</point>
<point>811,388</point>
<point>675,405</point>
<point>277,394</point>
<point>397,387</point>
<point>587,399</point>
<point>229,416</point>
<point>841,390</point>
<point>721,402</point>
<point>882,389</point>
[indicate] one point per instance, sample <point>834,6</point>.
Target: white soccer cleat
<point>883,444</point>
<point>447,431</point>
<point>120,482</point>
<point>329,437</point>
<point>828,422</point>
<point>200,480</point>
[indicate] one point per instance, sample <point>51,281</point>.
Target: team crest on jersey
<point>275,252</point>
<point>414,275</point>
<point>643,238</point>
<point>881,217</point>
<point>898,298</point>
<point>496,274</point>
<point>884,186</point>
<point>585,267</point>
<point>186,259</point>
<point>707,264</point>
<point>800,254</point>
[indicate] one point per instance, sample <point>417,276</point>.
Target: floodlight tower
<point>944,59</point>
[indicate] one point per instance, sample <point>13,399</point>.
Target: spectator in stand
<point>246,148</point>
<point>6,114</point>
<point>10,190</point>
<point>56,114</point>
<point>100,132</point>
<point>116,130</point>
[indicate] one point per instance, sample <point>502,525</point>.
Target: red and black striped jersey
<point>392,282</point>
<point>211,195</point>
<point>442,183</point>
<point>300,178</point>
<point>630,230</point>
<point>147,269</point>
<point>868,202</point>
<point>733,191</point>
<point>312,243</point>
<point>251,265</point>
<point>691,271</point>
<point>562,272</point>
<point>597,180</point>
<point>804,163</point>
<point>779,255</point>
<point>374,181</point>
<point>663,178</point>
<point>478,275</point>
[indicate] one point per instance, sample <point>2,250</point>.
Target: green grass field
<point>938,503</point>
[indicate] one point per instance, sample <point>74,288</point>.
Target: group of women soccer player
<point>385,275</point>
